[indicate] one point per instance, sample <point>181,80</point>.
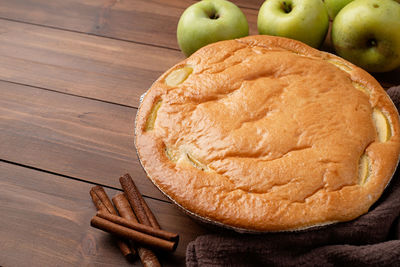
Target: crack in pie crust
<point>268,134</point>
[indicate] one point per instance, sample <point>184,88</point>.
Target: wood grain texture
<point>90,66</point>
<point>80,64</point>
<point>148,22</point>
<point>70,135</point>
<point>151,22</point>
<point>45,222</point>
<point>251,4</point>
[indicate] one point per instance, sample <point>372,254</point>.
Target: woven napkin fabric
<point>371,240</point>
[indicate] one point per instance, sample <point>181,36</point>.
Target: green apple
<point>334,6</point>
<point>367,33</point>
<point>303,20</point>
<point>209,21</point>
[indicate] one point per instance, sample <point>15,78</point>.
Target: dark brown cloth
<point>371,240</point>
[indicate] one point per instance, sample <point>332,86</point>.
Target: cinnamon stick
<point>139,205</point>
<point>147,257</point>
<point>150,215</point>
<point>134,198</point>
<point>102,195</point>
<point>138,226</point>
<point>122,205</point>
<point>140,238</point>
<point>96,201</point>
<point>103,203</point>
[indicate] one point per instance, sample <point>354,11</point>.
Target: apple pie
<point>268,134</point>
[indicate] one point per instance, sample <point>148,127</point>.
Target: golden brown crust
<point>267,134</point>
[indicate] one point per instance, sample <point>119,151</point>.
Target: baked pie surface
<point>267,134</point>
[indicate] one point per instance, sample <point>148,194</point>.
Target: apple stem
<point>213,15</point>
<point>371,42</point>
<point>287,7</point>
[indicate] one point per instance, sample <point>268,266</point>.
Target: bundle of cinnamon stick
<point>132,222</point>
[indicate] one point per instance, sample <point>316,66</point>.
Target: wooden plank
<point>251,4</point>
<point>89,66</point>
<point>69,135</point>
<point>151,22</point>
<point>80,64</point>
<point>45,222</point>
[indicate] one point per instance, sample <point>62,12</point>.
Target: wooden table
<point>71,73</point>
